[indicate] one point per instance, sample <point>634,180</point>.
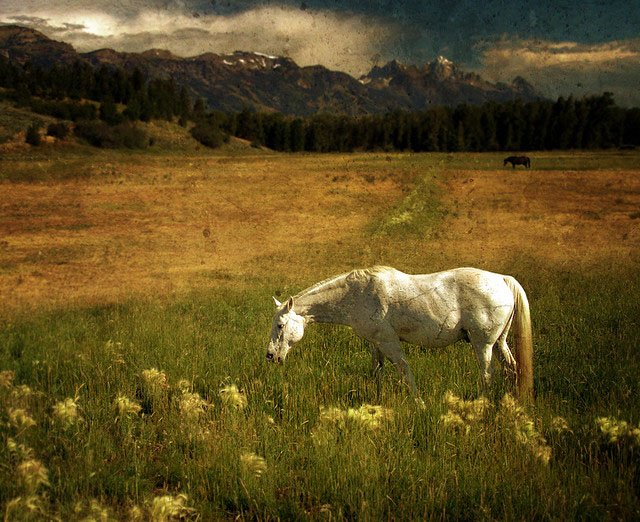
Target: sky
<point>562,47</point>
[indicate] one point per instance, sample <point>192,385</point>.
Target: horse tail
<point>523,339</point>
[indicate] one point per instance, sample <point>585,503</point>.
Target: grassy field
<point>137,306</point>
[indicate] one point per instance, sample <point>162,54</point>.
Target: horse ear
<point>289,304</point>
<point>277,303</point>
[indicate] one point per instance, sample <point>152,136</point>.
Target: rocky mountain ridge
<point>232,82</point>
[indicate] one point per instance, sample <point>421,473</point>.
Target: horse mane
<point>357,275</point>
<point>365,273</point>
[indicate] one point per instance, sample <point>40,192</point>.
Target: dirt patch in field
<point>157,226</point>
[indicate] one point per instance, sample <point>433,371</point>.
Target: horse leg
<point>502,350</point>
<point>377,365</point>
<point>393,351</point>
<point>484,352</point>
<point>507,358</point>
<point>377,360</point>
<point>387,344</point>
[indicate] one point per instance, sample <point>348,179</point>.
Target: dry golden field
<point>135,295</point>
<point>573,218</point>
<point>80,229</point>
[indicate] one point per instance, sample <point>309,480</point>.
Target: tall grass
<point>130,411</point>
<point>282,455</point>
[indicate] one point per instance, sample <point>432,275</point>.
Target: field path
<point>153,225</point>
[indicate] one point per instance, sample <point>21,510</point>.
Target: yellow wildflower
<point>136,514</point>
<point>192,406</point>
<point>509,405</point>
<point>253,464</point>
<point>184,385</point>
<point>366,416</point>
<point>610,427</point>
<point>452,401</point>
<point>6,379</point>
<point>21,392</point>
<point>97,512</point>
<point>126,406</point>
<point>331,414</point>
<point>560,425</point>
<point>455,421</point>
<point>33,474</point>
<point>20,418</point>
<point>369,415</point>
<point>23,505</point>
<point>618,430</point>
<point>66,411</point>
<point>463,414</point>
<point>22,451</point>
<point>232,397</point>
<point>515,418</point>
<point>169,507</point>
<point>155,379</point>
<point>543,453</point>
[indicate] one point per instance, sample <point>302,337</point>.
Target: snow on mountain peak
<point>252,60</point>
<point>443,68</point>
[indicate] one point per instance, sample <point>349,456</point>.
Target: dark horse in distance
<point>518,160</point>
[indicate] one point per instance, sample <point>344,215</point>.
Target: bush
<point>33,134</point>
<point>58,130</point>
<point>132,136</point>
<point>64,110</point>
<point>109,112</point>
<point>209,135</point>
<point>99,134</point>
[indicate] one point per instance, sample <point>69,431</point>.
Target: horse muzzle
<point>272,357</point>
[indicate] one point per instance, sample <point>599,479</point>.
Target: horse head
<point>286,330</point>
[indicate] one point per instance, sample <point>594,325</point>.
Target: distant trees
<point>103,102</point>
<point>111,97</point>
<point>63,91</point>
<point>592,122</point>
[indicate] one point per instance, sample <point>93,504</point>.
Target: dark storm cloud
<point>561,68</point>
<point>497,38</point>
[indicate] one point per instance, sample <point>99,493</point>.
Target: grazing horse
<point>386,306</point>
<point>518,160</point>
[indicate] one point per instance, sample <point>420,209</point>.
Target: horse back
<point>460,285</point>
<point>440,308</point>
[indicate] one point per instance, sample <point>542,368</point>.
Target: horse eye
<point>280,326</point>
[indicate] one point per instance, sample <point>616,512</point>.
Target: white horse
<point>386,306</point>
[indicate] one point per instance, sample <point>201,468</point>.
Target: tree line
<point>112,97</point>
<point>593,122</point>
<point>62,90</point>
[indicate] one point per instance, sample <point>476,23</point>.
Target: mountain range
<point>232,82</point>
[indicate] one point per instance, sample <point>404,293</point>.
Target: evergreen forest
<point>99,99</point>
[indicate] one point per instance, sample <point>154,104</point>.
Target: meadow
<point>136,309</point>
